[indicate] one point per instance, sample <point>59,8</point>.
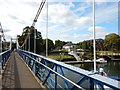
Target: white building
<point>69,47</point>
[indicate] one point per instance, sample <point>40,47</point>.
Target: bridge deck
<point>17,74</point>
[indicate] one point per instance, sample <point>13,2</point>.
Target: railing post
<point>66,83</point>
<point>29,63</point>
<point>2,61</point>
<point>36,68</point>
<point>47,76</point>
<point>91,84</point>
<point>55,71</point>
<point>56,78</point>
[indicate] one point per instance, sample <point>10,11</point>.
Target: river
<point>112,68</point>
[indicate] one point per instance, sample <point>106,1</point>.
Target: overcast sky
<point>67,21</point>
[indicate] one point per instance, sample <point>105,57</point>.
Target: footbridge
<point>23,69</point>
<point>77,57</point>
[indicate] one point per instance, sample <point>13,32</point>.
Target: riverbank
<point>61,57</point>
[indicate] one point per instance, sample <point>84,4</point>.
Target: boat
<point>101,60</point>
<point>88,60</point>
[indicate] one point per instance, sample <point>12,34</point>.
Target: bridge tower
<point>17,45</point>
<point>11,44</point>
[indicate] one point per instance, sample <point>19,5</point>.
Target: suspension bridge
<point>24,69</point>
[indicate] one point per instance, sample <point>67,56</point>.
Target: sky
<point>69,20</point>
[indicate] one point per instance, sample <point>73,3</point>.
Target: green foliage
<point>21,38</point>
<point>50,45</point>
<point>112,42</point>
<point>13,45</point>
<point>59,57</point>
<point>39,41</point>
<point>58,44</point>
<point>84,45</point>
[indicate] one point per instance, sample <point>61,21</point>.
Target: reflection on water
<point>111,68</point>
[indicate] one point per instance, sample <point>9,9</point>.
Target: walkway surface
<point>17,74</point>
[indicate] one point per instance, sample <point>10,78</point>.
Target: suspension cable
<point>2,36</point>
<point>2,32</point>
<point>34,21</point>
<point>38,12</point>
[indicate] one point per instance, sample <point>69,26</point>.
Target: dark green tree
<point>84,45</point>
<point>39,41</point>
<point>21,38</point>
<point>59,44</point>
<point>50,45</point>
<point>112,42</point>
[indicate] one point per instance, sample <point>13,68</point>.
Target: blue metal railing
<point>56,74</point>
<point>4,57</point>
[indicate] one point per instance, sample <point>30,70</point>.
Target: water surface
<point>112,68</point>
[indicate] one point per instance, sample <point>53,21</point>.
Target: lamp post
<point>34,41</point>
<point>47,30</point>
<point>11,44</point>
<point>29,42</point>
<point>17,43</point>
<point>94,36</point>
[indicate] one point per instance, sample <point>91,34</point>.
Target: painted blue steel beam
<point>23,54</point>
<point>66,83</point>
<point>48,75</point>
<point>94,77</point>
<point>4,56</point>
<point>81,81</point>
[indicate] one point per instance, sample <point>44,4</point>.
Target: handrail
<point>95,78</point>
<point>56,73</point>
<point>4,57</point>
<point>4,52</point>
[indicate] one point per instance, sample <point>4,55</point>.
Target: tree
<point>84,45</point>
<point>50,45</point>
<point>58,44</point>
<point>39,41</point>
<point>21,38</point>
<point>112,42</point>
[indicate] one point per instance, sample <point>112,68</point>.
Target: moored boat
<point>101,60</point>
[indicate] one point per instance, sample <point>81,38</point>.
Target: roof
<point>68,44</point>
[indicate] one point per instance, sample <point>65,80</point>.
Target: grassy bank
<point>60,57</point>
<point>108,51</point>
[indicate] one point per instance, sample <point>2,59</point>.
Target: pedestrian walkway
<point>17,74</point>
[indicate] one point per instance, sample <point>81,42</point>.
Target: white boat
<point>88,60</point>
<point>101,60</point>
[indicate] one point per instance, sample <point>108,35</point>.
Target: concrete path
<point>17,74</point>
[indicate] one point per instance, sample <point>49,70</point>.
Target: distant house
<point>69,47</point>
